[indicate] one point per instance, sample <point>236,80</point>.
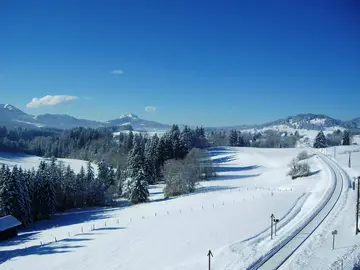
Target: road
<point>279,254</point>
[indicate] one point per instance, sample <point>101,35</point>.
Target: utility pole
<point>333,234</point>
<point>349,159</point>
<point>357,207</point>
<point>272,221</point>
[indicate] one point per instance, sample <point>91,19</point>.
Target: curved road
<point>280,253</point>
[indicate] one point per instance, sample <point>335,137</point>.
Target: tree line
<point>32,195</point>
<point>333,139</point>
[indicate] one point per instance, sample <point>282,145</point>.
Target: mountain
<point>303,121</point>
<point>64,121</point>
<point>314,122</point>
<point>11,116</point>
<point>137,123</point>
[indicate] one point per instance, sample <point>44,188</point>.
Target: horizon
<point>203,63</point>
<point>131,114</point>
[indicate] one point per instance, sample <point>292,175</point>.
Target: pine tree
<point>77,187</point>
<point>320,140</point>
<point>48,193</point>
<point>139,192</point>
<point>149,164</point>
<point>240,141</point>
<point>103,175</point>
<point>233,138</point>
<point>130,141</point>
<point>90,175</point>
<point>135,158</point>
<point>346,138</point>
<point>119,178</point>
<point>8,196</point>
<point>23,198</point>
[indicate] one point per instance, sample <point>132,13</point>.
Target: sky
<point>211,63</point>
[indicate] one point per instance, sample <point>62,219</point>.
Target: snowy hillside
<point>229,215</point>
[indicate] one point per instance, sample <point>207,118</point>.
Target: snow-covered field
<point>229,215</point>
<point>28,162</point>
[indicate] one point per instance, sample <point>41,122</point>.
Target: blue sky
<point>198,62</point>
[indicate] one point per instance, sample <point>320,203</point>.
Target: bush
<point>302,155</point>
<point>298,169</point>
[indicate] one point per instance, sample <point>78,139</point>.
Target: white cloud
<point>150,109</point>
<point>117,72</point>
<point>49,101</point>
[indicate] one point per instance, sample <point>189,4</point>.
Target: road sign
<point>334,232</point>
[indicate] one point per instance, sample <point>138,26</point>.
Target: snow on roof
<point>8,222</point>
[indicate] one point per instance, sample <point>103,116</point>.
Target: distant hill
<point>304,121</point>
<point>10,116</point>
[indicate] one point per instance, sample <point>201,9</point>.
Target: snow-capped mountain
<point>11,116</point>
<point>64,121</point>
<point>314,122</point>
<point>303,121</point>
<point>137,123</point>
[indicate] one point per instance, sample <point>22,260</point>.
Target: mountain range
<point>11,116</point>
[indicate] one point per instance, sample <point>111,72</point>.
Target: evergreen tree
<point>8,194</point>
<point>135,159</point>
<point>23,199</point>
<point>119,178</point>
<point>103,175</point>
<point>139,192</point>
<point>346,138</point>
<point>77,187</point>
<point>130,141</point>
<point>320,140</point>
<point>48,193</point>
<point>233,138</point>
<point>240,141</point>
<point>149,164</point>
<point>187,138</point>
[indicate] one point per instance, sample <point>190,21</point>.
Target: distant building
<point>8,227</point>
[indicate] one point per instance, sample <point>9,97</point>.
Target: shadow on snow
<point>61,246</point>
<point>236,169</point>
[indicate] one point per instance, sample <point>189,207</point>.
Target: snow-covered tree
<point>233,138</point>
<point>136,158</point>
<point>346,138</point>
<point>139,192</point>
<point>320,140</point>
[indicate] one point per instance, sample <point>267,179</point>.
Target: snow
<point>317,253</point>
<point>129,115</point>
<point>28,162</point>
<point>29,123</point>
<point>8,106</point>
<point>318,121</point>
<point>229,215</point>
<point>149,133</point>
